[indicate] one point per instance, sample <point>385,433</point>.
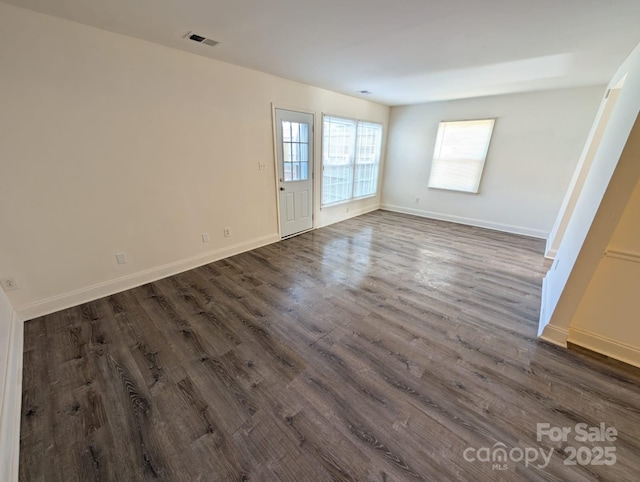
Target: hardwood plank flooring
<point>377,349</point>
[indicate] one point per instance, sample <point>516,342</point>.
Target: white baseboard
<point>555,335</point>
<point>605,346</point>
<point>623,254</point>
<point>100,290</point>
<point>11,402</point>
<point>507,228</point>
<point>550,252</point>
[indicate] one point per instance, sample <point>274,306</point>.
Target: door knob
<point>282,189</point>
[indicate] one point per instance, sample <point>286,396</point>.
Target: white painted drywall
<point>582,169</point>
<point>606,192</point>
<point>626,237</point>
<point>536,144</point>
<point>114,144</point>
<point>11,336</point>
<point>606,319</point>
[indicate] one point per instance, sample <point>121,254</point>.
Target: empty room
<point>312,241</point>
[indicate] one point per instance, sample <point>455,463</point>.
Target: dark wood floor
<point>376,349</point>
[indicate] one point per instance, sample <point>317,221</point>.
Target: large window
<point>350,159</point>
<point>460,153</point>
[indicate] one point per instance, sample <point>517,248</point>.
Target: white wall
<point>111,144</point>
<point>580,174</point>
<point>626,237</point>
<point>11,336</point>
<point>536,144</point>
<point>606,319</point>
<point>608,186</point>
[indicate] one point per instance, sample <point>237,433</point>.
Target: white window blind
<point>460,153</point>
<point>350,159</point>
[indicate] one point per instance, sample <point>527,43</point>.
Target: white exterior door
<point>294,135</point>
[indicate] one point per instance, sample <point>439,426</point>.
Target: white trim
<point>544,316</point>
<point>276,168</point>
<point>606,346</point>
<point>100,290</point>
<point>550,252</point>
<point>546,331</point>
<point>623,255</point>
<point>288,236</point>
<point>11,402</point>
<point>314,167</point>
<point>555,335</point>
<point>507,228</point>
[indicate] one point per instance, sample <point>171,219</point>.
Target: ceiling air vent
<point>200,39</point>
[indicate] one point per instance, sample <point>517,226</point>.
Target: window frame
<point>357,123</point>
<point>485,154</point>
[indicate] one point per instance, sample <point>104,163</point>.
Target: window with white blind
<point>460,154</point>
<point>350,159</point>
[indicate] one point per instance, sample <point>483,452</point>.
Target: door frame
<point>313,165</point>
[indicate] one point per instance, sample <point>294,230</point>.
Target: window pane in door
<point>304,133</point>
<point>286,131</point>
<point>295,148</point>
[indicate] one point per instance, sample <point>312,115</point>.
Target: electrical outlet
<point>262,166</point>
<point>227,232</point>
<point>205,237</point>
<point>9,284</point>
<point>121,258</point>
<point>417,200</point>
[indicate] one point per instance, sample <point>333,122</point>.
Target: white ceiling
<point>403,51</point>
